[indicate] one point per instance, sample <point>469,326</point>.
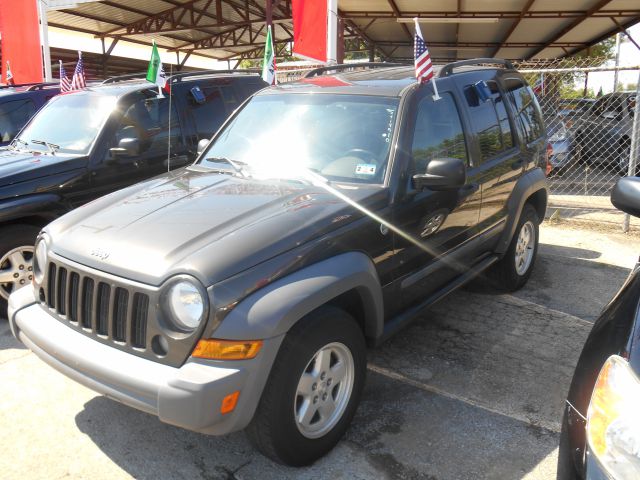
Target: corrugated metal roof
<point>453,29</point>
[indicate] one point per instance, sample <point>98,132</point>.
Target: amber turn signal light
<point>213,349</point>
<point>229,402</point>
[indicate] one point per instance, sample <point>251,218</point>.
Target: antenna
<point>169,130</point>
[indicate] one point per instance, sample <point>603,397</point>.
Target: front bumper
<point>189,396</point>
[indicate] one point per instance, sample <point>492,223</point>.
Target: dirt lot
<point>472,390</point>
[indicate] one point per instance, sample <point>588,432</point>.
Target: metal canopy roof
<point>453,29</point>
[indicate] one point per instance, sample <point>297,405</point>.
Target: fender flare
<point>45,205</point>
<point>531,182</point>
<point>274,309</point>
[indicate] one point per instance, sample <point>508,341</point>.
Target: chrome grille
<point>112,312</point>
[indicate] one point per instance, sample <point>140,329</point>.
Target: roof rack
<point>448,68</point>
<point>42,86</point>
<point>123,78</point>
<point>32,86</point>
<point>316,72</point>
<point>177,77</point>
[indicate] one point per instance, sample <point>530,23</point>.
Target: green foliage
<point>606,50</point>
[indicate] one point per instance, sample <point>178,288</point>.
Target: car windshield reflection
<point>337,137</point>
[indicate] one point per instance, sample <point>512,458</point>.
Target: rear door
<point>495,148</point>
<point>207,114</point>
<point>434,225</point>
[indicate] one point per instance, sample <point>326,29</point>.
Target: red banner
<point>310,29</point>
<point>21,40</point>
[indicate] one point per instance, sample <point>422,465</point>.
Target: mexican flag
<point>269,62</point>
<point>155,73</point>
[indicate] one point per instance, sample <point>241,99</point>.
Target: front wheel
<point>16,260</point>
<point>514,269</point>
<point>313,390</point>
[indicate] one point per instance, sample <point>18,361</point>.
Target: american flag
<point>78,81</point>
<point>65,84</point>
<point>424,68</point>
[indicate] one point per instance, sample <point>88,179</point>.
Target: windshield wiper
<point>236,164</point>
<point>51,146</point>
<point>19,140</point>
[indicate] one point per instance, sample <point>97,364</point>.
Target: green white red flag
<point>269,62</point>
<point>155,72</point>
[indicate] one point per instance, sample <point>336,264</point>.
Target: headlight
<point>40,261</point>
<point>613,419</point>
<point>186,303</point>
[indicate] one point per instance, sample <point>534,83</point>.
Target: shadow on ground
<point>7,340</point>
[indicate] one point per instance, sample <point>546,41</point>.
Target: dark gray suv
<point>241,292</point>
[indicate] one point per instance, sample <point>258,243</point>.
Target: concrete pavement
<point>474,389</point>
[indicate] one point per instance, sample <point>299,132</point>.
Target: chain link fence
<point>589,110</point>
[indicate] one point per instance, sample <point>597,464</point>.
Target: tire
<point>275,430</point>
<point>624,153</point>
<point>514,269</point>
<point>16,250</point>
<point>566,469</point>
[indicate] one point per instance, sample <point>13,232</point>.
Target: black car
<point>324,215</point>
<point>18,103</point>
<point>87,143</point>
<point>600,436</point>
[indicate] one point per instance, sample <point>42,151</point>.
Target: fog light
<point>213,349</point>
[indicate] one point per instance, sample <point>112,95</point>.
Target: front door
<point>148,120</point>
<point>433,224</point>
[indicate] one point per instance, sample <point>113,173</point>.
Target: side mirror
<point>625,195</point>
<point>127,147</point>
<point>202,145</point>
<point>442,174</point>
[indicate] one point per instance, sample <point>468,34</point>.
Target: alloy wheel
<point>324,390</point>
<point>524,247</point>
<point>16,270</point>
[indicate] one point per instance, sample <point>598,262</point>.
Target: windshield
<point>341,137</point>
<point>68,123</point>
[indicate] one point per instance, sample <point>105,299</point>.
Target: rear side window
<point>490,121</point>
<point>438,132</point>
<point>526,108</point>
<point>210,115</point>
<point>13,116</point>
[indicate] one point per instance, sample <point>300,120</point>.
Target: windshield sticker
<point>365,169</point>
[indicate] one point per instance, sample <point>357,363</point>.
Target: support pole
<point>615,74</point>
<point>268,9</point>
<point>634,151</point>
<point>44,41</point>
<point>332,32</point>
<point>340,46</point>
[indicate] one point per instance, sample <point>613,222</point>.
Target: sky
<point>629,56</point>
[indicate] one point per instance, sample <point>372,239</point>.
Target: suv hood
<point>201,223</point>
<point>19,166</point>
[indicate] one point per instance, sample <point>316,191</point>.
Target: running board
<point>406,317</point>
